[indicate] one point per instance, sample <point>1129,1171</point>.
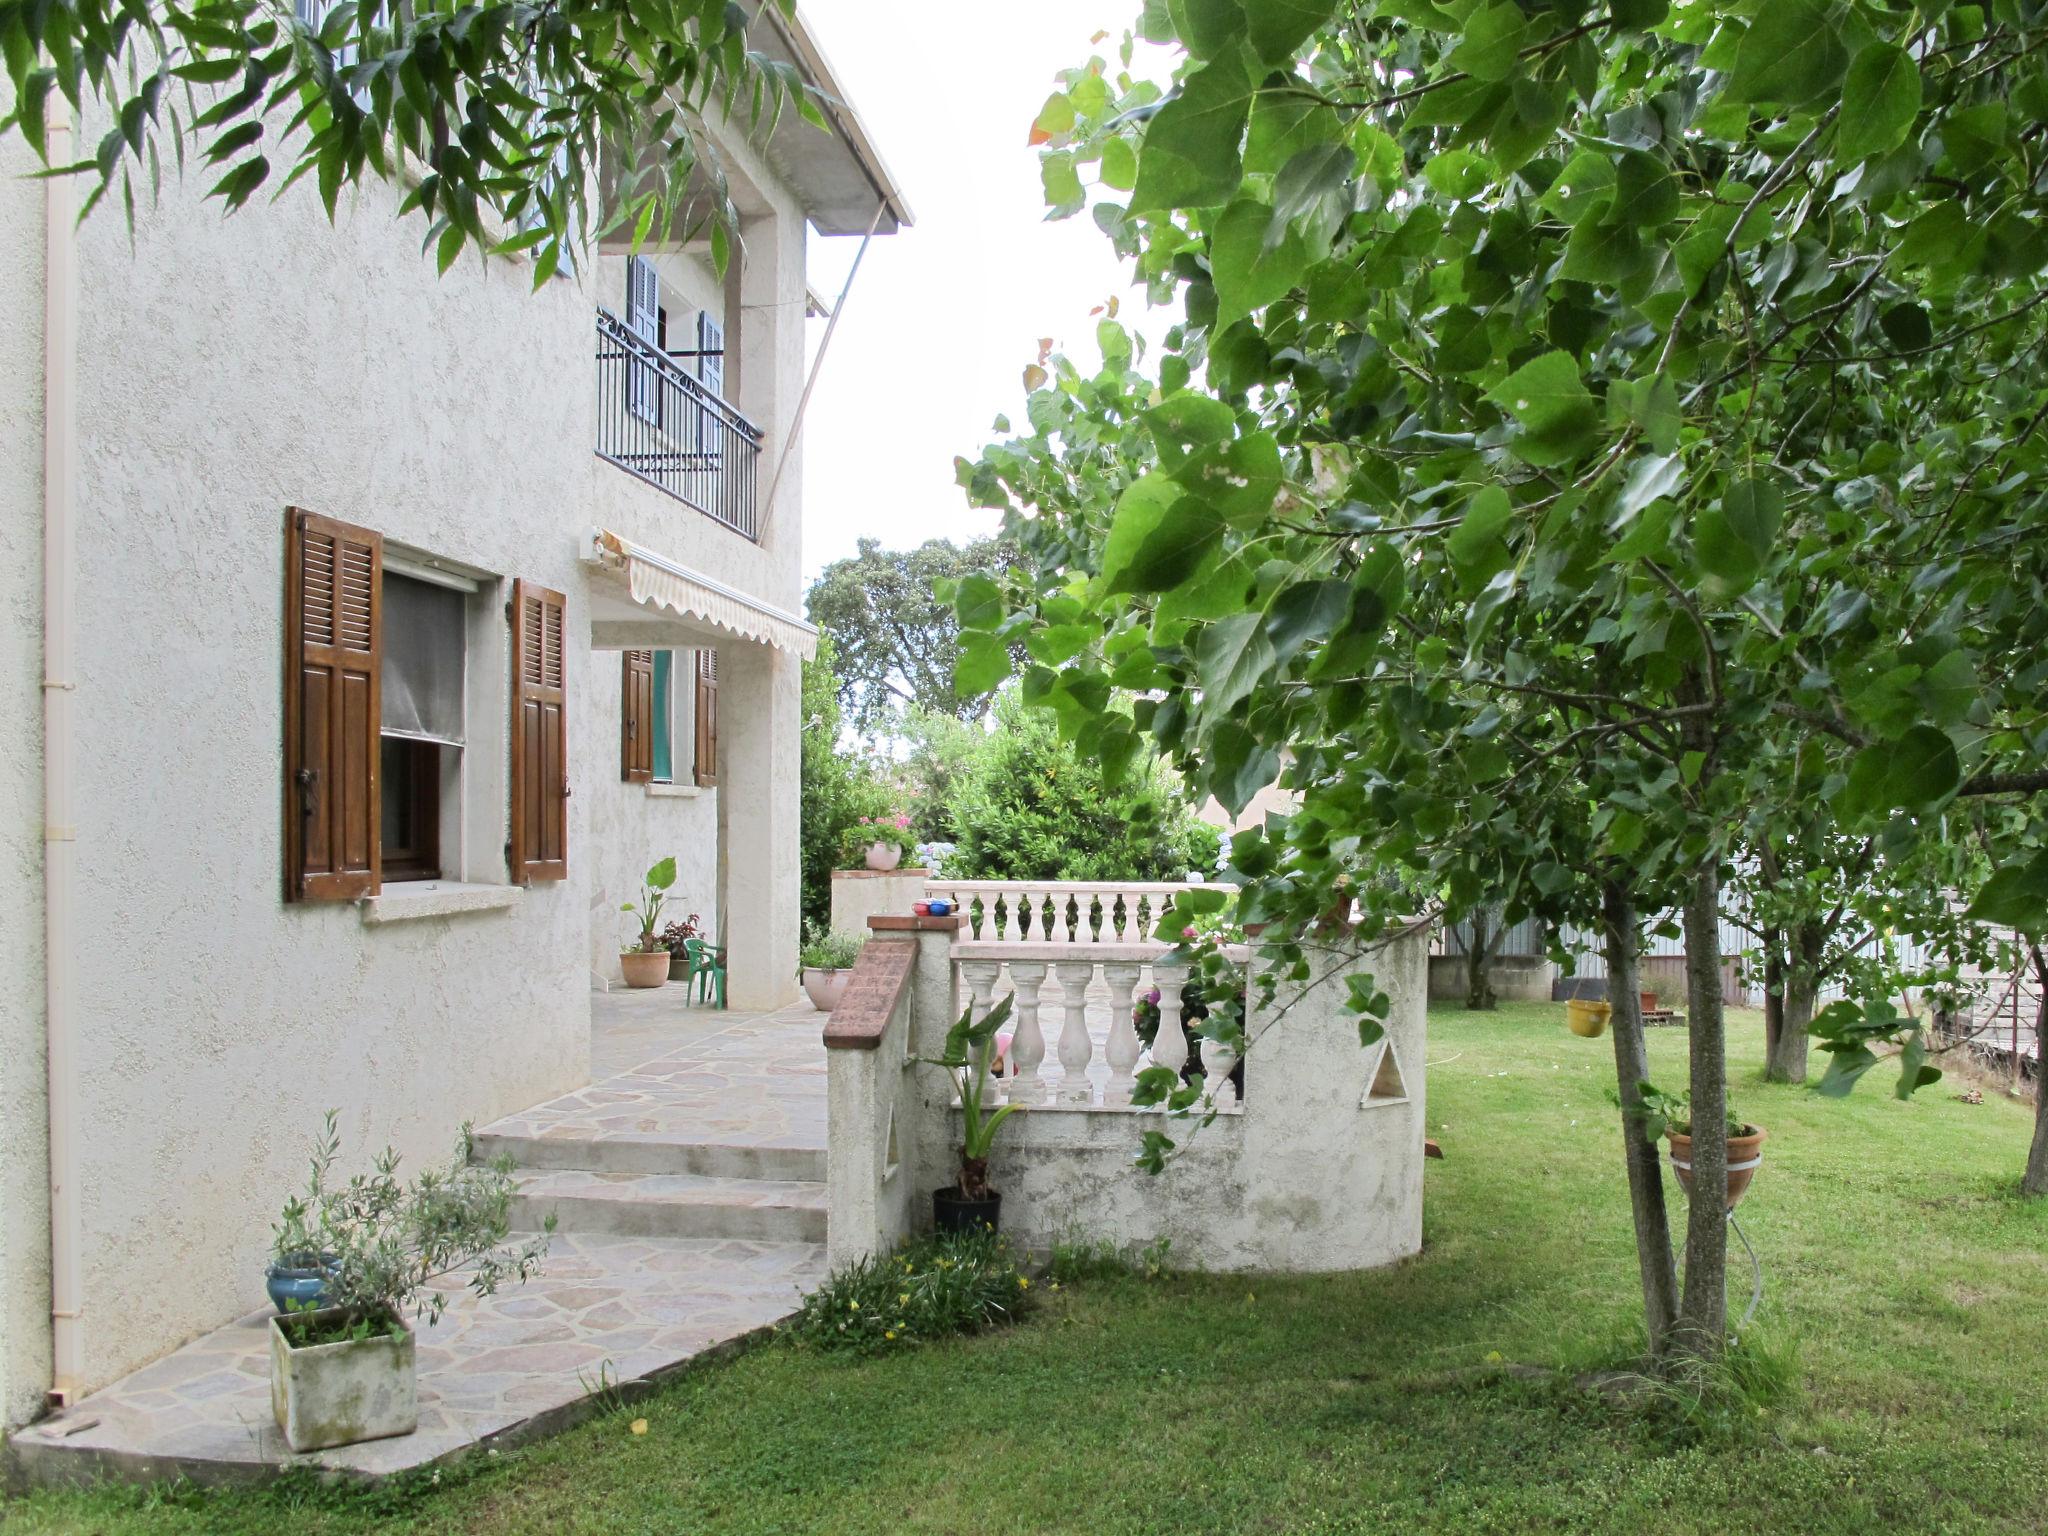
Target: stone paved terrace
<point>617,1301</point>
<point>688,1182</point>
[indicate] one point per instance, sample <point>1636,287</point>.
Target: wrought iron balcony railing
<point>657,422</point>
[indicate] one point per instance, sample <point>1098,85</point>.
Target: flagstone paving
<point>494,1370</point>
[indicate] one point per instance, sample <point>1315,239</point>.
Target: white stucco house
<point>367,635</point>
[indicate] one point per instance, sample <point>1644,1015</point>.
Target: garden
<point>1889,1380</point>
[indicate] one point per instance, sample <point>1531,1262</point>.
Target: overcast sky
<point>945,315</point>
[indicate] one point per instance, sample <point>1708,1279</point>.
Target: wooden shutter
<point>636,732</point>
<point>333,665</point>
<point>707,717</point>
<point>539,845</point>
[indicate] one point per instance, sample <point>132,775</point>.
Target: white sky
<point>944,316</point>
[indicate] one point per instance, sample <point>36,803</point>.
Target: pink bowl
<point>921,908</point>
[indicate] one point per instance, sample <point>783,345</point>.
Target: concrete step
<point>669,1205</point>
<point>652,1154</point>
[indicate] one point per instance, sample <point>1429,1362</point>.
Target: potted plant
<point>344,1371</point>
<point>1587,1016</point>
<point>646,963</point>
<point>969,1204</point>
<point>879,842</point>
<point>301,1272</point>
<point>826,964</point>
<point>675,938</point>
<point>1670,1115</point>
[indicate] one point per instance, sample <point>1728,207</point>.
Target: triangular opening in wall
<point>1384,1083</point>
<point>889,1157</point>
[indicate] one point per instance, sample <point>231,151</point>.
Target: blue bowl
<point>941,908</point>
<point>299,1288</point>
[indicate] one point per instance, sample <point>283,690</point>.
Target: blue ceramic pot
<point>300,1287</point>
<point>941,908</point>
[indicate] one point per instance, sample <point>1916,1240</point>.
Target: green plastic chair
<point>706,970</point>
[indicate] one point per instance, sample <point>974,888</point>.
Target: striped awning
<point>655,581</point>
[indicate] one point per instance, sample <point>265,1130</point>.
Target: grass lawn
<point>1900,1266</point>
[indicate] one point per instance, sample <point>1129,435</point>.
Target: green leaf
<point>1880,100</point>
<point>1844,1068</point>
<point>1557,416</point>
<point>1239,766</point>
<point>1732,541</point>
<point>1477,536</point>
<point>1493,37</point>
<point>1119,165</point>
<point>1158,538</point>
<point>1459,173</point>
<point>978,602</point>
<point>1922,770</point>
<point>980,665</point>
<point>1304,613</point>
<point>1248,276</point>
<point>1791,54</point>
<point>1587,180</point>
<point>1279,27</point>
<point>1646,192</point>
<point>1190,154</point>
<point>2016,896</point>
<point>1233,657</point>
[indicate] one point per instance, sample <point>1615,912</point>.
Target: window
<point>378,719</point>
<point>422,727</point>
<point>669,716</point>
<point>644,320</point>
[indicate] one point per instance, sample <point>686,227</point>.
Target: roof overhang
<point>840,176</point>
<point>656,584</point>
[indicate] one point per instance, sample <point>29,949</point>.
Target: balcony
<point>657,422</point>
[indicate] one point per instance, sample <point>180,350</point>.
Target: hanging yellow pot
<point>1586,1017</point>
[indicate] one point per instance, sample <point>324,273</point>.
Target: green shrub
<point>931,1288</point>
<point>1030,807</point>
<point>828,949</point>
<point>839,786</point>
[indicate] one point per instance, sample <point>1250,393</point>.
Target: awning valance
<point>657,582</point>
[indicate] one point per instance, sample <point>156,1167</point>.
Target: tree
<point>1030,807</point>
<point>495,115</point>
<point>838,786</point>
<point>1592,433</point>
<point>895,635</point>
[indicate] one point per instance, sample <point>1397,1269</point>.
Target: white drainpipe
<point>60,452</point>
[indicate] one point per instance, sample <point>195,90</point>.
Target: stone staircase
<point>722,1139</point>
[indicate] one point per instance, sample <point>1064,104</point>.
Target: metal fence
<point>657,422</point>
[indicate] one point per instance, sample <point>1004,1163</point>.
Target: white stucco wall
<point>24,1168</point>
<point>230,368</point>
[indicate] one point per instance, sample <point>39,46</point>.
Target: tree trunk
<point>2034,1183</point>
<point>1484,936</point>
<point>1787,1058</point>
<point>1702,1329</point>
<point>1645,1172</point>
<point>1774,999</point>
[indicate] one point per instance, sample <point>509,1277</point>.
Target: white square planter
<point>337,1394</point>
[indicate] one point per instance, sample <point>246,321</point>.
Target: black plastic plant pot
<point>954,1212</point>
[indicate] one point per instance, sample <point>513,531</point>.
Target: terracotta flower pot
<point>1745,1155</point>
<point>645,967</point>
<point>1587,1017</point>
<point>1648,1001</point>
<point>884,856</point>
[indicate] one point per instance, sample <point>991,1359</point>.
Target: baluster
<point>1219,1059</point>
<point>981,978</point>
<point>1076,1048</point>
<point>1127,929</point>
<point>1169,1045</point>
<point>1124,1048</point>
<point>1028,917</point>
<point>1027,1045</point>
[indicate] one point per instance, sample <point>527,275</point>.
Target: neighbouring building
<point>394,625</point>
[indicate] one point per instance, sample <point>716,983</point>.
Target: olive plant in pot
<point>969,1204</point>
<point>826,964</point>
<point>646,963</point>
<point>342,1367</point>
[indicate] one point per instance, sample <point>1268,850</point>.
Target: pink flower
<point>1187,933</point>
<point>902,821</point>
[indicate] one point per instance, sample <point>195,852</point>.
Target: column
<point>759,769</point>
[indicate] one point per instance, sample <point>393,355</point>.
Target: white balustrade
<point>1027,1045</point>
<point>1060,913</point>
